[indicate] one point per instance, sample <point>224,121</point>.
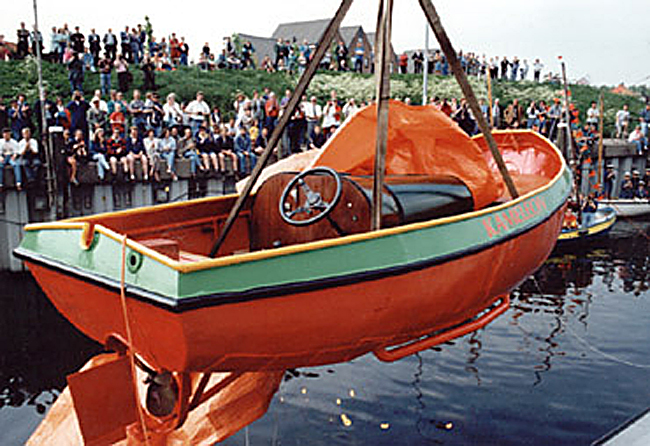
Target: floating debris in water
<point>347,422</point>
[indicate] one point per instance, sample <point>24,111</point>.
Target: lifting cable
<point>129,338</point>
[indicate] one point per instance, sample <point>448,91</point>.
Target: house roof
<point>348,33</point>
<point>311,30</point>
<point>264,46</point>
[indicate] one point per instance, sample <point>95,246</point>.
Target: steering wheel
<point>313,204</point>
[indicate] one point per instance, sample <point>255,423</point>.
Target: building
<point>311,31</point>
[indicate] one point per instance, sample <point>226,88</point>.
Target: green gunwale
<point>389,250</point>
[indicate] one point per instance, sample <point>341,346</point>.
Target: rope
<point>129,338</point>
<point>591,347</point>
<point>604,354</point>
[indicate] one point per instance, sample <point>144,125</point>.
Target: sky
<point>607,41</point>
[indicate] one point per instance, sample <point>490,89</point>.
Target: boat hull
<point>627,208</point>
<point>327,324</point>
<point>604,220</point>
<point>304,304</point>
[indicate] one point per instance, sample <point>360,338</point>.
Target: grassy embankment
<point>220,87</point>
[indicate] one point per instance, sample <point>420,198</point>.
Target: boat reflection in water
<point>566,364</point>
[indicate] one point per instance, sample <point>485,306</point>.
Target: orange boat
<point>302,281</point>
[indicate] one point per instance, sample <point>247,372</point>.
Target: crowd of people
<point>496,68</point>
<point>116,131</point>
<point>137,45</point>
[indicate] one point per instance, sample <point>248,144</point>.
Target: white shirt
<point>592,115</point>
<point>173,112</point>
<point>33,145</point>
<point>313,112</point>
<point>151,145</point>
<point>195,107</point>
<point>622,116</point>
<point>9,147</point>
<point>636,135</point>
<point>330,116</point>
<point>349,109</point>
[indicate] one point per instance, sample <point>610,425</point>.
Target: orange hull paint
<point>307,329</point>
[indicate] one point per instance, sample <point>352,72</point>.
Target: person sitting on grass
<point>9,153</point>
<point>98,152</point>
<point>135,151</point>
<point>76,153</point>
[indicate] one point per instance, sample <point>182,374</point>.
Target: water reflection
<point>38,346</point>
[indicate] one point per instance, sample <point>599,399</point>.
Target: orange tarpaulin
<point>421,140</point>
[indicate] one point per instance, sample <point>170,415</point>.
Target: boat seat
<point>190,257</point>
<point>170,248</point>
<point>164,246</point>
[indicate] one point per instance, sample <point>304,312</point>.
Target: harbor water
<point>567,363</point>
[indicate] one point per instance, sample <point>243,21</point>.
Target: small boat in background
<point>630,207</point>
<point>602,221</point>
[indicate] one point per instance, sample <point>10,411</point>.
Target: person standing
<point>105,66</point>
<point>123,74</point>
<point>77,41</point>
<point>537,70</point>
<point>125,42</point>
<point>504,68</point>
<point>593,115</point>
<point>313,114</point>
<point>622,121</point>
<point>22,47</point>
<point>78,108</point>
<point>184,50</point>
<point>110,45</point>
<point>198,111</point>
<point>342,56</point>
<point>524,70</point>
<point>94,44</point>
<point>358,56</point>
